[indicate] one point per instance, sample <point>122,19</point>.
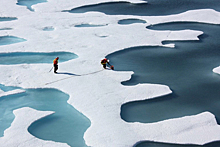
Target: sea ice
<point>95,92</point>
<point>217,70</point>
<point>12,92</point>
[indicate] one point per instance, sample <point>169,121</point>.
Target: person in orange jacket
<point>104,63</point>
<point>55,64</point>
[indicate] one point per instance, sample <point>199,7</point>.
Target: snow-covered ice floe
<point>97,93</point>
<point>12,92</point>
<point>217,70</point>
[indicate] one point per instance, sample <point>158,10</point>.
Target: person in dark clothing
<point>55,64</point>
<point>104,63</point>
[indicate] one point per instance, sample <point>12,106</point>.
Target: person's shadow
<point>67,73</point>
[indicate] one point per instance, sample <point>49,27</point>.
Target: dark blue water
<point>186,69</point>
<point>29,3</point>
<point>65,125</point>
<point>152,8</point>
<point>31,57</point>
<point>5,29</point>
<point>7,18</point>
<point>154,144</point>
<point>6,40</point>
<point>130,21</point>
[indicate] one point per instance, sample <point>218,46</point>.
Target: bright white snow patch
<point>217,70</point>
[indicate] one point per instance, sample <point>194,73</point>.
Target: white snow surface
<point>1,91</point>
<point>217,70</point>
<point>97,93</point>
<point>12,92</point>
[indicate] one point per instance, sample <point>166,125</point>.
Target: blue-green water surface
<point>65,125</point>
<point>33,58</point>
<point>6,40</point>
<point>29,3</point>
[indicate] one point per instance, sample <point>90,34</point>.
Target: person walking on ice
<point>55,64</point>
<point>104,63</point>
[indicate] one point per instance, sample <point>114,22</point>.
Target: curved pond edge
<point>158,144</point>
<point>70,124</point>
<point>35,57</point>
